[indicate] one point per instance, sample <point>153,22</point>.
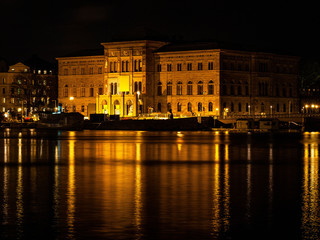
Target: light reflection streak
<point>138,189</point>
<point>56,198</point>
<point>5,205</point>
<point>310,192</point>
<point>6,151</point>
<point>71,189</point>
<point>20,150</point>
<point>19,202</point>
<point>270,180</point>
<point>249,190</point>
<point>221,195</point>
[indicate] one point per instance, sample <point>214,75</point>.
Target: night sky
<point>54,28</point>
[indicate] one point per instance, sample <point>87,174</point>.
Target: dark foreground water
<point>158,185</point>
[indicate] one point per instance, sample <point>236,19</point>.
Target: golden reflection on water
<point>310,188</point>
<point>19,201</point>
<point>71,198</point>
<point>137,196</point>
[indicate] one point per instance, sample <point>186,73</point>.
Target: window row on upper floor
<point>199,66</point>
<point>82,71</point>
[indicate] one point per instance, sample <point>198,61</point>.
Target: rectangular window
<point>74,71</point>
<point>91,92</point>
<point>83,92</point>
<point>99,70</point>
<point>100,91</point>
<point>91,70</point>
<point>82,71</point>
<point>3,90</point>
<point>199,66</point>
<point>159,68</point>
<point>74,93</point>
<point>169,67</point>
<point>179,67</point>
<point>210,65</point>
<point>189,66</point>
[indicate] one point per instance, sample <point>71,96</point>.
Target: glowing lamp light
<point>6,115</point>
<point>71,98</point>
<point>19,109</point>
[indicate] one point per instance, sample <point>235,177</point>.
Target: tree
<point>34,91</point>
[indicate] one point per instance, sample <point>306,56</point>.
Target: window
<point>3,90</point>
<point>224,88</point>
<point>159,107</point>
<point>82,108</point>
<point>179,67</point>
<point>210,88</point>
<point>168,107</point>
<point>278,107</point>
<point>247,107</point>
<point>159,89</point>
<point>74,71</point>
<point>239,107</point>
<point>179,88</point>
<point>284,107</point>
<point>232,88</point>
<point>65,72</point>
<point>189,107</point>
<point>247,88</point>
<point>135,86</point>
<point>139,87</point>
<point>91,92</point>
<point>169,88</point>
<point>91,70</point>
<point>210,107</point>
<point>189,66</point>
<point>262,107</point>
<point>232,107</point>
<point>99,70</point>
<point>82,71</point>
<point>113,66</point>
<point>239,89</point>
<point>200,88</point>
<point>179,107</point>
<point>74,92</point>
<point>138,65</point>
<point>159,68</point>
<point>100,91</point>
<point>210,65</point>
<point>125,66</point>
<point>199,107</point>
<point>169,67</point>
<point>189,88</point>
<point>83,92</point>
<point>65,91</point>
<point>199,66</point>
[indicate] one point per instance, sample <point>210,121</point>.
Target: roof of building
<point>85,52</point>
<point>193,46</point>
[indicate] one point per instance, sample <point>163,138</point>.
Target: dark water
<point>158,185</point>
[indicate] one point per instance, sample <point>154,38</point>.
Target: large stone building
<point>139,77</point>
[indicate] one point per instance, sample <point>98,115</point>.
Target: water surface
<point>158,185</point>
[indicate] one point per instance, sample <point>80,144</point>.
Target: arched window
<point>224,88</point>
<point>200,88</point>
<point>169,88</point>
<point>232,88</point>
<point>159,89</point>
<point>239,88</point>
<point>135,86</point>
<point>159,107</point>
<point>210,107</point>
<point>168,107</point>
<point>189,107</point>
<point>82,108</point>
<point>210,88</point>
<point>262,107</point>
<point>189,88</point>
<point>178,107</point>
<point>246,85</point>
<point>199,107</point>
<point>179,88</point>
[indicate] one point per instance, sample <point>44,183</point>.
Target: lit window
<point>39,71</point>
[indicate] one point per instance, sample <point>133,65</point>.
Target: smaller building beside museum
<point>28,87</point>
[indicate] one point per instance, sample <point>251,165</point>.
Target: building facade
<point>25,89</point>
<point>140,77</point>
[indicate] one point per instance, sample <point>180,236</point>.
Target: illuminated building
<point>190,79</point>
<point>27,87</point>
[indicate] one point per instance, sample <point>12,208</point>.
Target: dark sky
<point>51,28</point>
